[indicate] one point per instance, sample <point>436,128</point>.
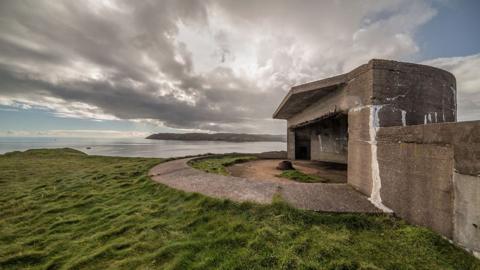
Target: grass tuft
<point>299,176</point>
<point>27,258</point>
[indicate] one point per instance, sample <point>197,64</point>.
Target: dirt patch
<point>266,170</point>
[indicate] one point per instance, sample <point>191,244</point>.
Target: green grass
<point>218,164</point>
<point>62,209</point>
<point>299,176</point>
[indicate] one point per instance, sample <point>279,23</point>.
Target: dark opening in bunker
<point>325,139</point>
<point>302,144</point>
<point>325,143</point>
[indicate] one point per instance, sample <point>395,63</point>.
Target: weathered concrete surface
<point>356,92</point>
<point>467,211</point>
<point>424,94</point>
<point>359,150</point>
<point>349,90</point>
<point>463,136</point>
<point>178,174</point>
<point>430,177</point>
<point>329,139</point>
<point>417,183</point>
<point>318,197</point>
<point>326,198</point>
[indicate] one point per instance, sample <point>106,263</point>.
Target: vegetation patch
<point>62,209</point>
<point>299,176</point>
<point>218,164</point>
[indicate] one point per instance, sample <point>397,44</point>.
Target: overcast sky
<point>116,68</point>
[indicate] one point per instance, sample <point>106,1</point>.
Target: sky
<point>131,68</point>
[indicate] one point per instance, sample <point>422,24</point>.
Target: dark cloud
<point>145,72</point>
<point>126,59</point>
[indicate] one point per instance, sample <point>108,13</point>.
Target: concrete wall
<point>402,94</point>
<point>359,150</point>
<point>430,176</point>
<point>416,183</point>
<point>413,94</point>
<point>329,139</point>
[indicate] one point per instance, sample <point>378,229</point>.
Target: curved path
<point>312,196</point>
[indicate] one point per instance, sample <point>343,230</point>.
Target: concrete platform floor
<point>312,196</point>
<point>265,169</point>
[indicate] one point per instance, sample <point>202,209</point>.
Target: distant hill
<point>229,137</point>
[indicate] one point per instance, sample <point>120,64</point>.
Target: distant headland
<point>228,137</point>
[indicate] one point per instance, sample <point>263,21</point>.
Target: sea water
<point>137,147</point>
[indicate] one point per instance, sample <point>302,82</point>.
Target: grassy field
<point>62,209</point>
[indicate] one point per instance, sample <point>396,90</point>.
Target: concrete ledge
<point>316,196</point>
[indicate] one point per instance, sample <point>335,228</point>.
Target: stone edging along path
<point>311,196</point>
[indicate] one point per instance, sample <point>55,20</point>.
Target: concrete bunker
<point>394,126</point>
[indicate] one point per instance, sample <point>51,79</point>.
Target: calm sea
<point>136,147</point>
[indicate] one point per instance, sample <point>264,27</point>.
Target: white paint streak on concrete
<point>454,93</point>
<point>404,118</point>
<point>320,142</point>
<point>375,197</point>
<point>394,98</point>
<point>357,109</point>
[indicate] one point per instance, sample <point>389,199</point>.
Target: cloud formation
<point>76,133</point>
<point>465,70</point>
<point>203,65</point>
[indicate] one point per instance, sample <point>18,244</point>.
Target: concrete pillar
<point>291,144</point>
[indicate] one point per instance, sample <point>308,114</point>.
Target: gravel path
<point>312,196</point>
